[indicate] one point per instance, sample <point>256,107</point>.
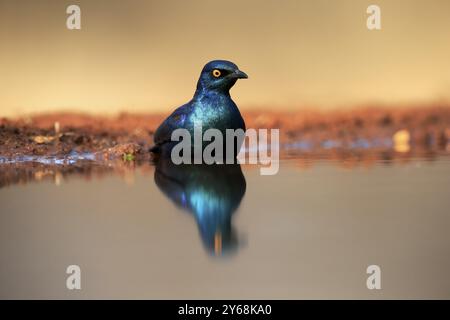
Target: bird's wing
<point>175,121</point>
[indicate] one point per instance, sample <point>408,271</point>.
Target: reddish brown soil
<point>127,134</point>
<point>110,137</point>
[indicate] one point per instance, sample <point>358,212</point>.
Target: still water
<point>309,231</point>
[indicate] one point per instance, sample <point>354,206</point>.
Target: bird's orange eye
<point>216,73</point>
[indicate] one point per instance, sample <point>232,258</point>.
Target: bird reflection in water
<point>212,193</point>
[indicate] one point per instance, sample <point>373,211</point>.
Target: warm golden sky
<point>146,55</point>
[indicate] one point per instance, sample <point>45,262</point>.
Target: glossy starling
<point>211,105</point>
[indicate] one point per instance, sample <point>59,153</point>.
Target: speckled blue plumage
<point>211,105</point>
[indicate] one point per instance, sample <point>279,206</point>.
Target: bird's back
<point>176,120</point>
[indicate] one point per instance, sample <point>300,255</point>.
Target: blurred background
<point>145,56</point>
<point>364,119</point>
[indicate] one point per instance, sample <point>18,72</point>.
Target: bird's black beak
<point>238,74</point>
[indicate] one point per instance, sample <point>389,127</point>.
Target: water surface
<point>310,231</point>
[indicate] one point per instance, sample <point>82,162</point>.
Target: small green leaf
<point>128,157</point>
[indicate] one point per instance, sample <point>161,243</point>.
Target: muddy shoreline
<point>129,136</point>
<point>54,147</point>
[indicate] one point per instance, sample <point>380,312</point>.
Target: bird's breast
<point>216,112</point>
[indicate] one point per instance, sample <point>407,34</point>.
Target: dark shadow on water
<point>211,193</point>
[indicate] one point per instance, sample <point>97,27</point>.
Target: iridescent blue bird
<point>212,193</point>
<point>211,105</point>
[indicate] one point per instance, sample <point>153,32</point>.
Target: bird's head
<point>219,75</point>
